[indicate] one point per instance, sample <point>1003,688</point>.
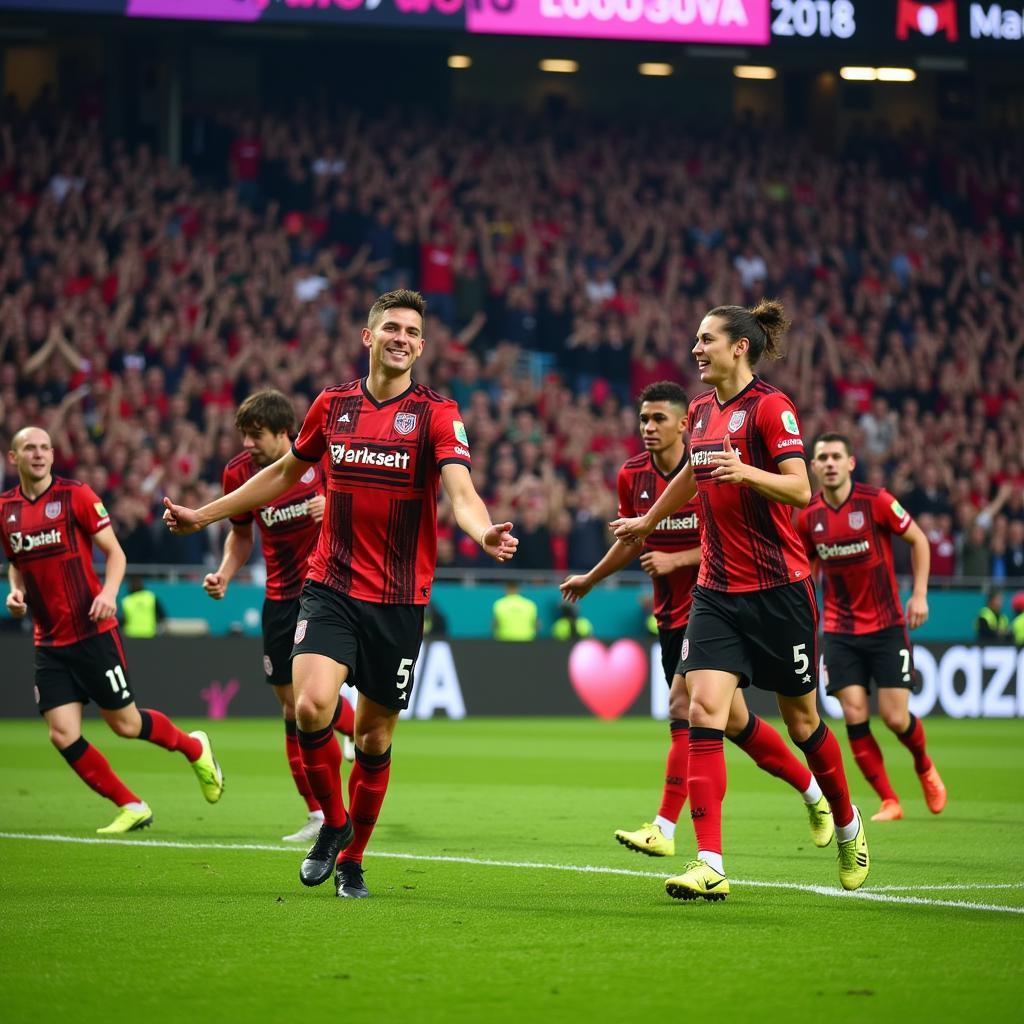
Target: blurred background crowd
<point>566,262</point>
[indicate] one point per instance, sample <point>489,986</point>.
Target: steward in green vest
<point>514,617</point>
<point>992,626</point>
<point>570,625</point>
<point>141,613</point>
<point>1017,604</point>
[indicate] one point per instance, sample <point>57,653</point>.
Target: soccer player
<point>49,527</point>
<point>754,616</point>
<point>848,528</point>
<point>390,442</point>
<point>671,556</point>
<point>289,527</point>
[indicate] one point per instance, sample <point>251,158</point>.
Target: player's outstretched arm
<point>16,598</point>
<point>104,605</point>
<point>257,491</point>
<point>471,514</point>
<point>617,557</point>
<point>237,549</point>
<point>920,566</point>
<point>679,491</point>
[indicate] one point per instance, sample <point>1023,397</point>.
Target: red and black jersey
<point>853,545</point>
<point>49,539</point>
<point>747,541</point>
<point>379,537</point>
<point>640,485</point>
<point>287,529</point>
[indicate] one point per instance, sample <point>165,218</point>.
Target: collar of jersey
<point>387,401</point>
<point>672,472</point>
<point>836,508</point>
<point>42,494</point>
<point>739,394</point>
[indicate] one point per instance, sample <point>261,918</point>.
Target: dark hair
<point>663,391</point>
<point>763,326</point>
<point>831,436</point>
<point>400,298</point>
<point>266,408</point>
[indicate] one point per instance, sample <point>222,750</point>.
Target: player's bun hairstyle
<point>663,391</point>
<point>266,408</point>
<point>763,326</point>
<point>400,298</point>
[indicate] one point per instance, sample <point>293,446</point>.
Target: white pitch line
<point>884,894</point>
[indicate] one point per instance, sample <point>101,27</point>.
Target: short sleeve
<point>626,508</point>
<point>451,442</point>
<point>311,444</point>
<point>231,480</point>
<point>89,509</point>
<point>890,514</point>
<point>779,427</point>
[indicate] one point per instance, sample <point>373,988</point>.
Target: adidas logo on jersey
<point>644,495</point>
<point>344,418</point>
<point>819,528</point>
<point>30,541</point>
<point>273,516</point>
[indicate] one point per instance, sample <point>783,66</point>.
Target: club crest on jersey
<point>405,422</point>
<point>52,509</point>
<point>309,476</point>
<point>856,520</point>
<point>736,420</point>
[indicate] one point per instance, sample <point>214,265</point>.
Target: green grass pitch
<point>470,918</point>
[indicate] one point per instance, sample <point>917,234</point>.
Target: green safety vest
<point>562,629</point>
<point>997,623</point>
<point>139,614</point>
<point>1018,630</point>
<point>515,618</point>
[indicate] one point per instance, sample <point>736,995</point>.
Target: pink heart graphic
<point>608,681</point>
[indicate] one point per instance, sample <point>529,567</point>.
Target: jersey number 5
<point>800,660</point>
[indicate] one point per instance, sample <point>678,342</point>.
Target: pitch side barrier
<point>217,677</point>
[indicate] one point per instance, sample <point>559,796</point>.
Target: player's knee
<point>310,711</point>
<point>373,741</point>
<point>801,724</point>
<point>896,720</point>
<point>678,704</point>
<point>126,728</point>
<point>702,714</point>
<point>62,738</point>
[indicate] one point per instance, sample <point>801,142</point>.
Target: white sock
<point>713,860</point>
<point>812,794</point>
<point>668,828</point>
<point>135,805</point>
<point>316,815</point>
<point>844,833</point>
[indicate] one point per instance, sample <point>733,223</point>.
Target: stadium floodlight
<point>896,74</point>
<point>652,69</point>
<point>760,72</point>
<point>459,61</point>
<point>855,74</point>
<point>558,66</point>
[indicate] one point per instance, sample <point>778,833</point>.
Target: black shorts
<point>671,641</point>
<point>378,642</point>
<point>279,618</point>
<point>93,669</point>
<point>885,657</point>
<point>766,637</point>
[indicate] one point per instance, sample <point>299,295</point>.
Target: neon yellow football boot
<point>854,862</point>
<point>128,820</point>
<point>211,778</point>
<point>819,816</point>
<point>648,839</point>
<point>698,880</point>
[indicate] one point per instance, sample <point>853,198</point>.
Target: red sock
<point>913,740</point>
<point>291,747</point>
<point>771,754</point>
<point>159,729</point>
<point>868,755</point>
<point>367,787</point>
<point>344,718</point>
<point>95,771</point>
<point>707,786</point>
<point>321,759</point>
<point>825,759</point>
<point>673,796</point>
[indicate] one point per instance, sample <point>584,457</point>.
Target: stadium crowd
<point>566,264</point>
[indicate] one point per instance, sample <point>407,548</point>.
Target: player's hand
<point>632,531</point>
<point>917,612</point>
<point>215,585</point>
<point>181,521</point>
<point>575,587</point>
<point>16,604</point>
<point>498,542</point>
<point>657,563</point>
<point>729,469</point>
<point>317,504</point>
<point>104,606</point>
